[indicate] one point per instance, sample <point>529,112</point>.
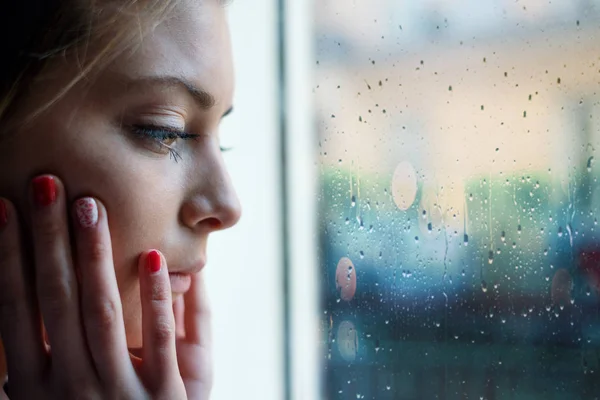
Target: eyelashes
<point>165,138</point>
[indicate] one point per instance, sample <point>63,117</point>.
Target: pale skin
<point>179,79</point>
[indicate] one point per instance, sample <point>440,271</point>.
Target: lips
<point>181,279</point>
<point>180,283</point>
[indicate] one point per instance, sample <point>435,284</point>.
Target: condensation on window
<point>459,202</point>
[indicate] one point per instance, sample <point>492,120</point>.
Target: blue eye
<point>163,137</point>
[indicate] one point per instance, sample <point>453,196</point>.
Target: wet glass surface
<point>459,201</point>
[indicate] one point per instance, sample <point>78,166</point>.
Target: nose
<point>212,203</point>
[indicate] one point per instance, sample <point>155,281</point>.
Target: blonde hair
<point>93,33</point>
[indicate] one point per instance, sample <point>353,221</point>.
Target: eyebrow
<point>204,99</point>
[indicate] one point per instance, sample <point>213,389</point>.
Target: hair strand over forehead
<point>34,34</point>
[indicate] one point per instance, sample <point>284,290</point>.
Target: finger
<point>100,301</point>
<point>55,278</point>
<point>20,326</point>
<point>158,322</point>
<point>178,312</point>
<point>197,313</point>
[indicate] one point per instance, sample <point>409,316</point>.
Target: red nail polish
<point>44,190</point>
<point>153,262</point>
<point>3,214</point>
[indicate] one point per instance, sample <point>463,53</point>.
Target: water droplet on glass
<point>404,185</point>
<point>560,231</point>
<point>416,239</point>
<point>345,279</point>
<point>429,227</point>
<point>484,286</point>
<point>491,257</point>
<point>353,202</point>
<point>503,236</point>
<point>466,239</point>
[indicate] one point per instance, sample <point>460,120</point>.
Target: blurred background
<point>420,202</point>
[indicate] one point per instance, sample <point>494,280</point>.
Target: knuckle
<point>160,293</point>
<point>102,314</point>
<point>81,388</point>
<point>97,251</point>
<point>11,310</point>
<point>8,251</point>
<point>11,293</point>
<point>163,332</point>
<point>48,231</point>
<point>55,295</point>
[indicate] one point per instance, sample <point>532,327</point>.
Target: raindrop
<point>348,341</point>
<point>589,163</point>
<point>491,257</point>
<point>353,203</point>
<point>429,227</point>
<point>466,240</point>
<point>362,255</point>
<point>560,231</point>
<point>345,279</point>
<point>519,229</point>
<point>503,236</point>
<point>404,185</point>
<point>484,286</point>
<point>424,214</point>
<point>416,239</point>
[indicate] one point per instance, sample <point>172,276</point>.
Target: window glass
<point>460,247</point>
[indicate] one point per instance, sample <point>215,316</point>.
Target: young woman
<point>111,180</point>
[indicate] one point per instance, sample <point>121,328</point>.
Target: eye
<point>164,138</point>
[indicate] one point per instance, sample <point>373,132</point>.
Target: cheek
<point>137,223</point>
<point>135,189</point>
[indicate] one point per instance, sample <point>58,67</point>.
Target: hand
<point>87,356</point>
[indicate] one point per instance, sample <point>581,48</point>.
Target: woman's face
<point>94,139</point>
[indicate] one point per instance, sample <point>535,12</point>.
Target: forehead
<point>193,43</point>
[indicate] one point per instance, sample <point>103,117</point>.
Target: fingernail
<point>44,190</point>
<point>87,212</point>
<point>3,214</point>
<point>153,262</point>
